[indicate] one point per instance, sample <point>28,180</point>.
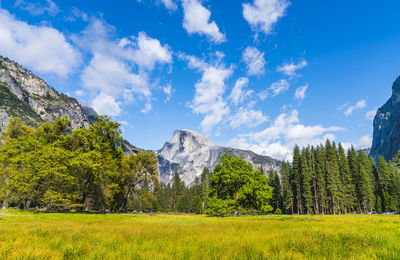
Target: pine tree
<point>355,176</point>
<point>365,185</point>
<point>320,184</point>
<point>287,194</point>
<point>296,180</point>
<point>274,182</point>
<point>306,180</point>
<point>332,182</point>
<point>348,190</point>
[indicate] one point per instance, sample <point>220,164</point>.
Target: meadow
<point>26,235</point>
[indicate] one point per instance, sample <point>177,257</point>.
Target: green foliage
<point>236,187</point>
<point>324,180</point>
<point>59,169</point>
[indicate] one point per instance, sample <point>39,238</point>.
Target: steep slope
<point>386,138</point>
<point>24,95</point>
<point>188,152</point>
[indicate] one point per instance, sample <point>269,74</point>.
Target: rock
<point>386,137</point>
<point>27,96</point>
<point>24,95</point>
<point>188,152</point>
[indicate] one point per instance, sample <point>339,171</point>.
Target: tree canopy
<point>236,187</point>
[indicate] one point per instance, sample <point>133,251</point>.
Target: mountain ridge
<point>24,95</point>
<point>386,136</point>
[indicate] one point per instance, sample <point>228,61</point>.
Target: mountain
<point>188,152</point>
<point>25,95</point>
<point>386,137</point>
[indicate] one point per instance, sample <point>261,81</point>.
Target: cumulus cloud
<point>167,89</point>
<point>209,91</point>
<point>300,93</point>
<point>350,109</point>
<point>275,89</point>
<point>196,20</point>
<point>282,135</point>
<point>247,117</point>
<point>106,104</point>
<point>263,14</point>
<point>238,93</point>
<point>290,69</point>
<point>119,69</point>
<point>254,60</point>
<point>370,115</point>
<point>38,8</point>
<point>169,4</point>
<point>41,48</point>
<point>365,142</point>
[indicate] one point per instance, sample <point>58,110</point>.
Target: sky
<point>262,75</point>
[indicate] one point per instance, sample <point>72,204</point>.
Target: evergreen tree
<point>365,184</point>
<point>287,194</point>
<point>296,180</point>
<point>305,181</point>
<point>347,185</point>
<point>274,182</point>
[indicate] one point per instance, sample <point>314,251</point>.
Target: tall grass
<point>123,236</point>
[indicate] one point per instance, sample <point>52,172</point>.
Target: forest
<point>58,169</point>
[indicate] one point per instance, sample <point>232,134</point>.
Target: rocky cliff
<point>386,138</point>
<point>188,152</point>
<point>24,95</point>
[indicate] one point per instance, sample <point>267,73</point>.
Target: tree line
<point>60,169</point>
<point>86,169</point>
<point>327,180</point>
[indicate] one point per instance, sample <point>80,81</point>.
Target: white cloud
<point>370,115</point>
<point>196,20</point>
<point>350,109</point>
<point>280,137</point>
<point>275,89</point>
<point>77,14</point>
<point>149,51</point>
<point>208,99</point>
<point>238,94</point>
<point>365,142</point>
<point>41,48</point>
<point>119,68</point>
<point>254,60</point>
<point>80,93</point>
<point>36,8</point>
<point>290,69</point>
<point>169,4</point>
<point>147,108</point>
<point>167,89</point>
<point>106,104</point>
<point>248,118</point>
<point>263,14</point>
<point>301,92</point>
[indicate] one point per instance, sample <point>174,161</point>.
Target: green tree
<point>235,186</point>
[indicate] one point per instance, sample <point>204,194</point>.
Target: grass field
<point>25,235</point>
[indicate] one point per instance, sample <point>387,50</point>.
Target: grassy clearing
<point>120,236</point>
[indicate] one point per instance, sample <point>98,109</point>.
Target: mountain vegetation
<point>326,180</point>
<point>61,169</point>
<point>58,168</point>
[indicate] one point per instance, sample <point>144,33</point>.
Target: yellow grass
<point>124,236</point>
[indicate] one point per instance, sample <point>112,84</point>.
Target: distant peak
<point>185,136</point>
<point>396,87</point>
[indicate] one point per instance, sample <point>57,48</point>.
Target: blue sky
<point>254,74</point>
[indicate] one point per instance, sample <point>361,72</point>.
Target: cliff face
<point>24,95</point>
<point>386,138</point>
<point>188,152</point>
